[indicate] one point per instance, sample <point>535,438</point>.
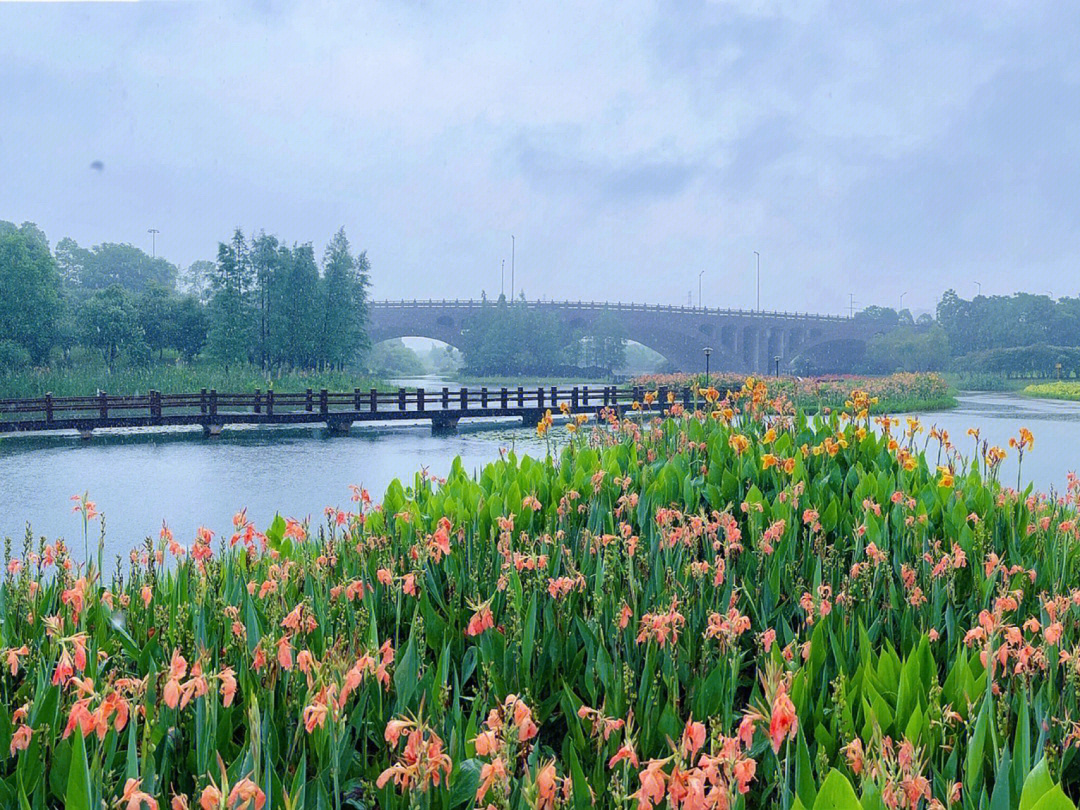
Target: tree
<point>29,290</point>
<point>604,345</point>
<point>344,293</point>
<point>190,325</point>
<point>229,337</point>
<point>108,321</point>
<point>155,310</point>
<point>110,263</point>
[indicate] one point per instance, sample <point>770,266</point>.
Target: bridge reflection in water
<point>741,340</point>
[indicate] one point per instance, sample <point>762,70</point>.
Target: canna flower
<point>20,738</point>
<point>246,794</point>
<point>783,722</point>
<point>134,797</point>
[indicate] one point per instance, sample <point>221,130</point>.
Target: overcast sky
<point>874,148</point>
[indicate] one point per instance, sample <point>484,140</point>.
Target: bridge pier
<point>443,425</point>
<point>211,430</point>
<point>339,426</point>
<point>86,434</point>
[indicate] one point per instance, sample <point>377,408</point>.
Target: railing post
<point>213,402</point>
<point>464,393</point>
<point>686,397</point>
<point>257,407</point>
<point>202,402</point>
<point>48,408</point>
<point>540,397</point>
<point>155,404</point>
<point>270,402</point>
<point>445,398</point>
<point>521,397</point>
<point>483,396</point>
<point>324,402</point>
<point>585,396</point>
<point>554,397</point>
<point>661,395</point>
<point>574,398</point>
<point>420,399</point>
<point>373,403</point>
<point>356,399</point>
<point>401,399</point>
<point>308,404</point>
<point>504,398</point>
<point>103,405</point>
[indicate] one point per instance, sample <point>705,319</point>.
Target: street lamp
<point>758,280</point>
<point>708,351</point>
<point>513,247</point>
<point>153,241</point>
<point>776,359</point>
<point>902,301</point>
<point>699,275</point>
<point>979,285</point>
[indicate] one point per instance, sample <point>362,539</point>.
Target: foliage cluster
<point>736,606</point>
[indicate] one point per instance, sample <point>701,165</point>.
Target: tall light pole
<point>979,285</point>
<point>758,280</point>
<point>902,301</point>
<point>708,351</point>
<point>502,279</point>
<point>153,241</point>
<point>699,275</point>
<point>513,248</point>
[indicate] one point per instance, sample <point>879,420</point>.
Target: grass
<point>895,393</point>
<point>766,609</point>
<point>170,378</point>
<point>984,382</point>
<point>1060,389</point>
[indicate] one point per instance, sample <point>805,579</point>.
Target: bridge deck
<point>212,409</point>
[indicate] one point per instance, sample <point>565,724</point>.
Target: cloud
<point>875,147</point>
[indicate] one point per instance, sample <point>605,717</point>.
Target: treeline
<point>512,338</point>
<point>1020,335</point>
<point>262,303</point>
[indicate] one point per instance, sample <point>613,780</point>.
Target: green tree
<point>229,337</point>
<point>110,263</point>
<point>343,332</point>
<point>190,326</point>
<point>108,321</point>
<point>29,290</point>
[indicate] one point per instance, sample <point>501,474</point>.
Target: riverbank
<point>896,393</point>
<point>172,378</point>
<point>1067,390</point>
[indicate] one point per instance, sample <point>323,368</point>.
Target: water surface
<point>139,479</point>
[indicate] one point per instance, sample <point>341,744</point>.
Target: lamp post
<point>699,275</point>
<point>902,301</point>
<point>153,241</point>
<point>776,360</point>
<point>979,285</point>
<point>502,279</point>
<point>513,247</point>
<point>758,280</point>
<point>708,351</point>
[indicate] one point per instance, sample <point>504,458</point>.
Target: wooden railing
<point>209,406</point>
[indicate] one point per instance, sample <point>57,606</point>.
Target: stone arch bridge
<point>741,340</point>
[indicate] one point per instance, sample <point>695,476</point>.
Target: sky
<point>870,150</point>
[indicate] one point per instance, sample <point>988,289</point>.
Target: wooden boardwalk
<point>213,410</point>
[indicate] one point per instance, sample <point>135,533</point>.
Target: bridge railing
<point>620,306</point>
<point>209,406</point>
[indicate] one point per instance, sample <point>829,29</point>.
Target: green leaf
<point>77,796</point>
<point>837,794</point>
<point>1054,799</point>
<point>1036,785</point>
<point>466,782</point>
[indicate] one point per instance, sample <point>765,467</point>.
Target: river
<point>139,479</point>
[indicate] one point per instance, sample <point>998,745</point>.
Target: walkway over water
<point>741,340</point>
<point>212,410</point>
